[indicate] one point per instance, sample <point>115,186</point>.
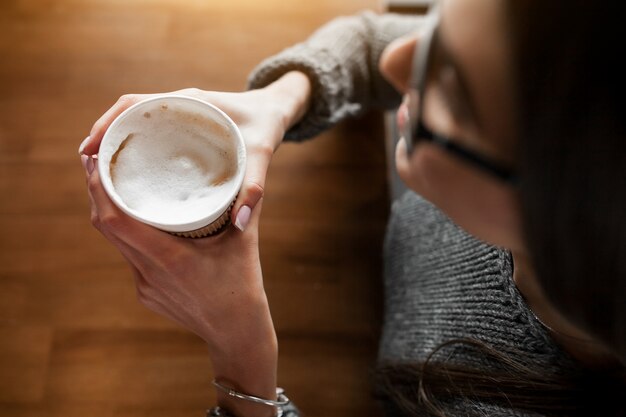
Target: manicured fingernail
<point>243,217</point>
<point>90,165</point>
<point>81,148</point>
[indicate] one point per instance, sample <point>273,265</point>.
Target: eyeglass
<point>414,129</point>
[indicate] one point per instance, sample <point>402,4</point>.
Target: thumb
<point>251,193</point>
<point>255,216</point>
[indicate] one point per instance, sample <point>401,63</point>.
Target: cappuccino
<point>173,162</point>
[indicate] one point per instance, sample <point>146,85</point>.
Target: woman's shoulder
<point>443,284</point>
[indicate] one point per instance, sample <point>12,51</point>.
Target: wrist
<point>292,93</point>
<point>244,354</point>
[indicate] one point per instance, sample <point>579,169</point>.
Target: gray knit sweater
<point>440,282</point>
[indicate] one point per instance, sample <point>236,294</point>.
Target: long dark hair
<point>427,388</point>
<point>570,96</point>
<point>573,153</point>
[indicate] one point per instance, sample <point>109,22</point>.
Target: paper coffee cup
<point>174,162</point>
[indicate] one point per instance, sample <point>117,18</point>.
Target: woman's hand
<point>193,281</point>
<point>202,284</point>
<point>263,116</point>
<point>213,286</point>
<point>260,125</point>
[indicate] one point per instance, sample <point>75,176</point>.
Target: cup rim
<point>177,226</point>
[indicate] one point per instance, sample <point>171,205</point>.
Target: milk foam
<point>173,164</point>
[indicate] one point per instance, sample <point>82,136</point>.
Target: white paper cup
<point>166,118</point>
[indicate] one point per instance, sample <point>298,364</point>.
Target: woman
<point>513,130</point>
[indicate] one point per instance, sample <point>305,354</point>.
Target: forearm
<point>341,61</point>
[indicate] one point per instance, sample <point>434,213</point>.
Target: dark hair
<point>571,140</point>
<point>428,387</point>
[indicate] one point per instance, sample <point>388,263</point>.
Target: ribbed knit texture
<point>440,282</point>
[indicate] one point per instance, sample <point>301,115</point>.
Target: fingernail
<point>90,165</point>
<point>243,217</point>
<point>81,148</point>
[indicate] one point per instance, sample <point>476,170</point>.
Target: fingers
<point>132,256</point>
<point>396,62</point>
<point>252,190</point>
<point>253,187</point>
<point>121,229</point>
<point>91,144</point>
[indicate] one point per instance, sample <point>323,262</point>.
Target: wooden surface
<point>73,339</point>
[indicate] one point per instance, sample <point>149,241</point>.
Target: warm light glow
<point>247,5</point>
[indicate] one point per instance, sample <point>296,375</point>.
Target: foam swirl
<point>173,164</point>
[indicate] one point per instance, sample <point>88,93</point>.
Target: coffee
<point>173,161</point>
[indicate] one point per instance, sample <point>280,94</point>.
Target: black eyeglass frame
<point>415,131</point>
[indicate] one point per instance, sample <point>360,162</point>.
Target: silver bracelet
<point>280,402</point>
<point>220,412</point>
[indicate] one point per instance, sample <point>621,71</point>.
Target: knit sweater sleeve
<point>341,60</point>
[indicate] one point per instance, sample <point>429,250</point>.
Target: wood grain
<point>73,339</point>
